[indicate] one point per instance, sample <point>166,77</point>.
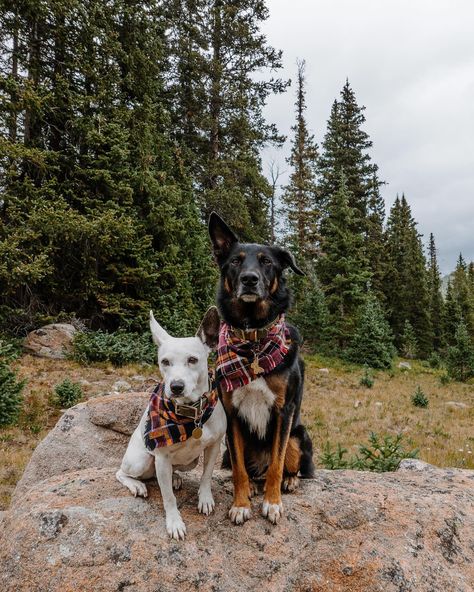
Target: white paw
<point>177,481</point>
<point>290,483</point>
<point>239,514</point>
<point>176,528</point>
<point>272,511</point>
<point>138,489</point>
<point>206,503</point>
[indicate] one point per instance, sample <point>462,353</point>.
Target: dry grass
<point>335,409</point>
<point>39,413</point>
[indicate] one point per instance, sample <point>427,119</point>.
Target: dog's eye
<point>192,360</point>
<point>165,362</point>
<point>266,261</point>
<point>235,262</point>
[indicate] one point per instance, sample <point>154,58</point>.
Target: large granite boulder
<point>72,526</point>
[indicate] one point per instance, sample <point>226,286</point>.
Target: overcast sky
<point>411,63</point>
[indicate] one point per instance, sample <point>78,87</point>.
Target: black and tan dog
<point>260,372</point>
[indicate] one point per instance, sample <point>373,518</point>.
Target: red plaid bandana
<point>240,361</point>
<point>164,427</point>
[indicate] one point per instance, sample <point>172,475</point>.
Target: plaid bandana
<point>240,361</point>
<point>164,427</point>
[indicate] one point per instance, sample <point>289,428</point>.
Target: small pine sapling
<point>419,399</point>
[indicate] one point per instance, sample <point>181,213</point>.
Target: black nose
<point>177,387</point>
<point>249,279</point>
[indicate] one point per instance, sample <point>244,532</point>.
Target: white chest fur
<point>254,402</point>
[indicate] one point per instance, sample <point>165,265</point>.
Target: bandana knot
<point>239,361</point>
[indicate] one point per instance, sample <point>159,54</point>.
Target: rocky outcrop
<point>51,341</point>
<point>72,526</point>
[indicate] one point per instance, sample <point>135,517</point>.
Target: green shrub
<point>435,361</point>
<point>10,387</point>
<point>367,378</point>
<point>67,393</point>
<point>118,348</point>
<point>419,399</point>
<point>379,456</point>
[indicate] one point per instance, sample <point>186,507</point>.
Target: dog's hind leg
<point>137,463</point>
<point>292,465</point>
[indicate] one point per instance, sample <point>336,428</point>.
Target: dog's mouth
<point>249,297</point>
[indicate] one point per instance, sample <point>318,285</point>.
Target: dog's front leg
<point>240,511</point>
<point>272,507</point>
<point>206,501</point>
<point>164,474</point>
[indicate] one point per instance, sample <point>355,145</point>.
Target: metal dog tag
<point>257,369</point>
<point>197,433</point>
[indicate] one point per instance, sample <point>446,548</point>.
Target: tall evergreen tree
<point>372,342</point>
<point>342,268</point>
<point>300,195</point>
<point>345,149</point>
<point>406,288</point>
<point>375,247</point>
<point>435,296</point>
<point>452,315</point>
<point>462,293</point>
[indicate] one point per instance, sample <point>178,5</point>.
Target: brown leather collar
<point>254,334</point>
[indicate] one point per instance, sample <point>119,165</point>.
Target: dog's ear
<point>286,259</point>
<point>221,235</point>
<point>158,333</point>
<point>208,331</point>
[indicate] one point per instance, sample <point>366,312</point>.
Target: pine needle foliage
<point>10,387</point>
<point>419,399</point>
<point>372,342</point>
<point>380,455</point>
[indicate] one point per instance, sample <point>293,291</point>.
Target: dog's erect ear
<point>157,331</point>
<point>286,259</point>
<point>221,235</point>
<point>208,331</point>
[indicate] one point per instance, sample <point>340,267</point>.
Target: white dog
<point>185,387</point>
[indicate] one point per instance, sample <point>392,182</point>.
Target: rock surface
<point>72,526</point>
<point>50,341</point>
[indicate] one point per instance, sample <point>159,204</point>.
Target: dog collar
<point>254,334</point>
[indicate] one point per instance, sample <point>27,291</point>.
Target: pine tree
<point>460,358</point>
<point>372,342</point>
<point>342,268</point>
<point>406,289</point>
<point>435,296</point>
<point>300,195</point>
<point>462,293</point>
<point>452,315</point>
<point>345,148</point>
<point>375,247</point>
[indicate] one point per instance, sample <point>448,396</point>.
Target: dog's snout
<point>249,279</point>
<point>177,387</point>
